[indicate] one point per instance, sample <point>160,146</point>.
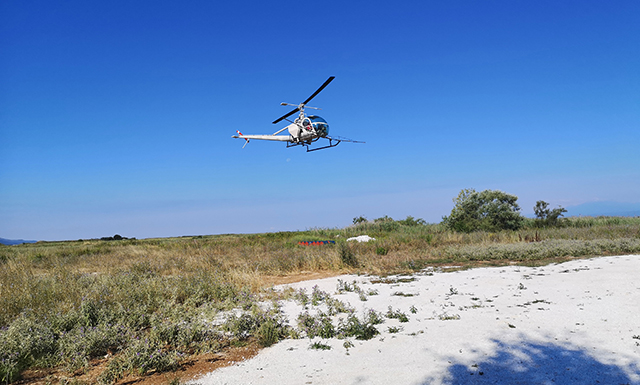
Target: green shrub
<point>270,332</point>
<point>318,296</point>
<point>411,221</point>
<point>389,226</point>
<point>242,326</point>
<point>397,314</point>
<point>336,306</point>
<point>373,317</point>
<point>25,343</point>
<point>186,334</point>
<point>344,286</point>
<point>489,210</point>
<point>319,346</point>
<point>353,327</point>
<point>78,346</point>
<point>268,326</point>
<point>316,326</point>
<point>140,357</point>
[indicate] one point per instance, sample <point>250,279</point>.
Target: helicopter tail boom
<point>277,138</point>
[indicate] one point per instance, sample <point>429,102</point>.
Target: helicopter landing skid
<point>332,143</point>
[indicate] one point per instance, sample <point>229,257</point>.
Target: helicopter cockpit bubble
<point>320,125</point>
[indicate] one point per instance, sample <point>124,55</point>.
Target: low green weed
<point>140,357</point>
<point>397,314</point>
<point>353,327</point>
<point>351,287</point>
<point>343,286</point>
<point>319,325</point>
<point>24,344</point>
<point>320,346</point>
<point>336,306</point>
<point>373,317</point>
<point>448,317</point>
<point>318,296</point>
<point>270,332</point>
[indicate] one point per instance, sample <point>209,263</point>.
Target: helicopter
<point>304,130</point>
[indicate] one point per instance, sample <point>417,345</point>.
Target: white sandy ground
<point>569,323</point>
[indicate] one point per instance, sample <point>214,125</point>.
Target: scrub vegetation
<point>116,309</point>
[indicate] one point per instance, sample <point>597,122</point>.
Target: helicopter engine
<point>294,130</point>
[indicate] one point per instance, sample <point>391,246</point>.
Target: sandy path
<point>569,323</point>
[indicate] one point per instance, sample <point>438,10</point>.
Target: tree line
<point>495,210</point>
<point>488,210</point>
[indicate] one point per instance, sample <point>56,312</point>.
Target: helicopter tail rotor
<point>247,140</point>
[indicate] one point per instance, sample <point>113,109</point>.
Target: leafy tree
<point>547,217</point>
<point>360,219</point>
<point>488,210</point>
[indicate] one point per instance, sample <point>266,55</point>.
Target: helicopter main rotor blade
<point>285,116</point>
<point>319,89</point>
<point>326,83</point>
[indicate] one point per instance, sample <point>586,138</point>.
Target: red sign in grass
<point>316,243</point>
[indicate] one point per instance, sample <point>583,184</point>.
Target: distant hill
<point>613,209</point>
<point>14,241</point>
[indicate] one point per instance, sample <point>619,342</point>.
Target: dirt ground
<point>195,367</point>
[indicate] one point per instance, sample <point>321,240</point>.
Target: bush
<point>81,344</point>
<point>141,357</point>
<point>268,326</point>
<point>269,333</point>
<point>353,327</point>
<point>397,315</point>
<point>411,221</point>
<point>25,343</point>
<point>320,346</point>
<point>318,326</point>
<point>489,210</point>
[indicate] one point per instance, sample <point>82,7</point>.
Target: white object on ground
<point>361,238</point>
<point>569,323</point>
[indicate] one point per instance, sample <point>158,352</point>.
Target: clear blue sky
<point>116,117</point>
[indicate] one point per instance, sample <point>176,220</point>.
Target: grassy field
<point>134,307</point>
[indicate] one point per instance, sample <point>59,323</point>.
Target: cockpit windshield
<point>320,125</point>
